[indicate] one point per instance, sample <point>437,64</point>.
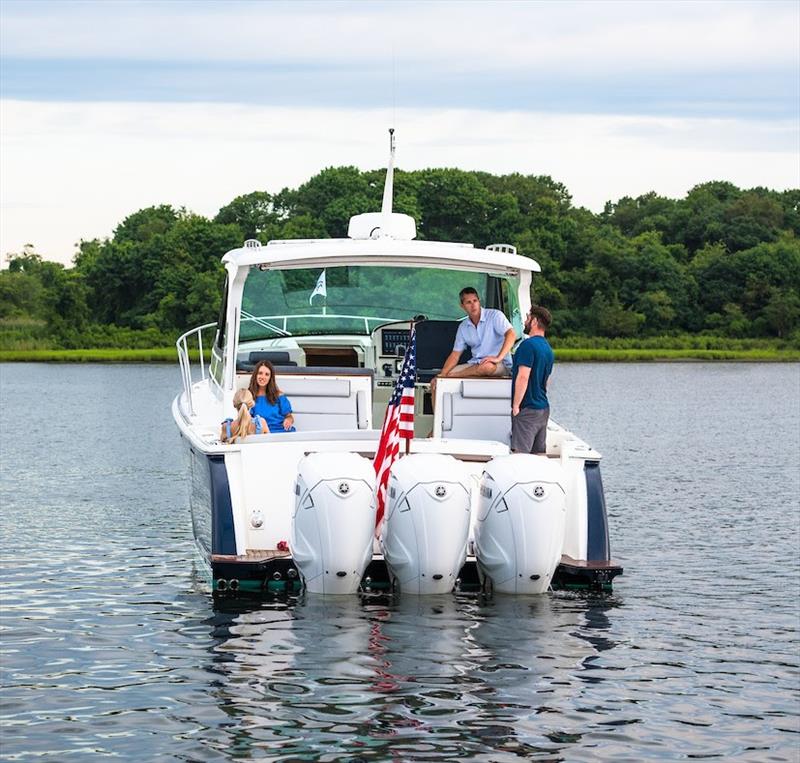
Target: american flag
<point>398,423</point>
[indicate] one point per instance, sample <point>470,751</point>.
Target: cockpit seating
<point>478,409</point>
<point>322,399</point>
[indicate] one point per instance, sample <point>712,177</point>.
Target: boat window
<point>509,304</point>
<point>219,339</point>
<point>217,364</point>
<point>352,299</point>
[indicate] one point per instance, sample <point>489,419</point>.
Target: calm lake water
<point>112,647</point>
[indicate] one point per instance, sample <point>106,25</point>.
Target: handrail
<point>269,321</point>
<point>193,339</point>
<point>182,344</point>
<point>263,322</point>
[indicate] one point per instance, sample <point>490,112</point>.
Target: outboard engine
<point>426,527</point>
<point>334,521</point>
<point>519,532</point>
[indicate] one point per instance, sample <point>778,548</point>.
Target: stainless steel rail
<point>185,344</point>
<point>279,324</point>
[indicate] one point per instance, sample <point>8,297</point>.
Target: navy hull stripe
<point>223,535</point>
<point>598,548</point>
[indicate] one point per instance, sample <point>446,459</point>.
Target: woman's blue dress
<point>273,413</point>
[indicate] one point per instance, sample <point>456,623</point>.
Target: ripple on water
<point>111,647</point>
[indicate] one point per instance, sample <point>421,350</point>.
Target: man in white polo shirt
<point>488,334</point>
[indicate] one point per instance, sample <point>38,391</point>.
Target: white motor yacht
<point>338,318</point>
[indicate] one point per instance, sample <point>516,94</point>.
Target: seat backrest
<point>479,409</point>
<point>325,398</point>
<point>434,343</point>
<point>326,402</point>
<point>276,357</point>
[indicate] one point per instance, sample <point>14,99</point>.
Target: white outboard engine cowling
<point>425,530</point>
<point>334,521</point>
<point>519,532</point>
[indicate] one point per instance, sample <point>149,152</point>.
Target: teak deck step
<point>605,564</point>
<point>251,555</point>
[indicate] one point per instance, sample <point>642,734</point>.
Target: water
<point>111,646</point>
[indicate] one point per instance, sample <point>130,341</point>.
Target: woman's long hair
<point>272,386</point>
<point>243,402</point>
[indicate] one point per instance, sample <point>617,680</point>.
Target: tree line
<point>722,262</point>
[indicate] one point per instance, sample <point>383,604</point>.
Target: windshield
<point>355,299</point>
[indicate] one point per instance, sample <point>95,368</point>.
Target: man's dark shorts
<point>529,430</point>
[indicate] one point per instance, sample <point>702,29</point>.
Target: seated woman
<point>270,402</point>
<point>245,423</point>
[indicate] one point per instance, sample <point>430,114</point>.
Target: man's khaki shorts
<point>500,370</point>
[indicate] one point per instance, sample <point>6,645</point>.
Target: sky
<point>108,106</point>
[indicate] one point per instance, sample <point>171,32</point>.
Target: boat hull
<point>242,500</point>
<point>275,572</point>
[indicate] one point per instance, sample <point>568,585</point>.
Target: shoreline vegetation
<point>563,355</point>
<point>714,275</point>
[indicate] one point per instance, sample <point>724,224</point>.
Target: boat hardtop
<point>500,258</point>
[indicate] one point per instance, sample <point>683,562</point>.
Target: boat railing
<point>188,345</point>
<point>279,324</point>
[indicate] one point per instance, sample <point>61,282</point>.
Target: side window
<point>495,296</point>
<point>510,306</point>
<point>219,339</point>
<point>217,364</point>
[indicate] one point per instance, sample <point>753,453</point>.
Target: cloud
<point>462,36</point>
<point>76,170</point>
<point>111,107</point>
<point>661,58</point>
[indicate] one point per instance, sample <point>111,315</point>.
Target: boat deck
<point>252,555</point>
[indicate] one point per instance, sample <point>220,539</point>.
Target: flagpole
<point>398,424</point>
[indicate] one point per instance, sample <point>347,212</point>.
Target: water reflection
<point>446,675</point>
<point>111,649</point>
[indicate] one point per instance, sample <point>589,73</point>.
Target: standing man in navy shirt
<point>533,364</point>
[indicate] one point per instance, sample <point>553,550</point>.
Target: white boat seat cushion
<point>493,389</point>
<point>319,387</point>
<point>323,404</point>
<point>481,410</point>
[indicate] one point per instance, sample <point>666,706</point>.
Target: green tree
<point>454,206</point>
<point>722,259</point>
<point>649,212</point>
<point>145,224</point>
<point>751,219</point>
<point>21,295</point>
<point>254,213</point>
<point>43,290</point>
<point>609,318</point>
<point>332,197</point>
<point>782,311</point>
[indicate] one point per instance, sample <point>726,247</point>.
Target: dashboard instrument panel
<point>394,341</point>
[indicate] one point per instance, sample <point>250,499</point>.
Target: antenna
<point>384,224</point>
<point>394,84</point>
<point>386,207</point>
